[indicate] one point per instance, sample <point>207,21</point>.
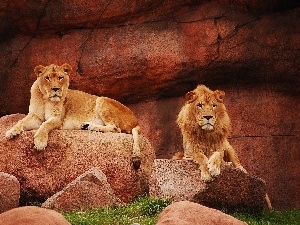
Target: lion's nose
<point>55,89</point>
<point>207,117</point>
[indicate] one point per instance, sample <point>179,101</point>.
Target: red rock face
<point>136,51</point>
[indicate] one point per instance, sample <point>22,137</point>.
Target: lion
<point>205,127</point>
<point>54,106</point>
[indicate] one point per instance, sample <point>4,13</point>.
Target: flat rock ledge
<point>69,154</point>
<point>232,190</point>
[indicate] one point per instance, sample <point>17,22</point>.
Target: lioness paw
<point>40,142</point>
<point>214,169</point>
<point>11,133</point>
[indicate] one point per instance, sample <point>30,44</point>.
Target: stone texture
<point>32,215</point>
<point>9,192</point>
<point>232,190</point>
<point>159,49</point>
<point>189,213</point>
<point>148,49</point>
<point>68,155</point>
<point>89,190</point>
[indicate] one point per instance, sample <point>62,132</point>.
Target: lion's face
<point>206,106</point>
<point>53,81</point>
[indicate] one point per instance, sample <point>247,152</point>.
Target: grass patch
<point>291,217</point>
<point>145,211</point>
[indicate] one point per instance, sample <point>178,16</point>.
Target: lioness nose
<point>207,117</point>
<point>55,89</point>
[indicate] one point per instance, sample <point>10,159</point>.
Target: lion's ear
<point>38,70</point>
<point>190,96</point>
<point>66,68</point>
<point>219,95</point>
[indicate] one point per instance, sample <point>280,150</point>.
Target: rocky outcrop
<point>232,190</point>
<point>32,215</point>
<point>189,213</point>
<point>89,190</point>
<point>133,51</point>
<point>68,155</point>
<point>9,192</point>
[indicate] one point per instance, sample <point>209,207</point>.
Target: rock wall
<point>150,53</point>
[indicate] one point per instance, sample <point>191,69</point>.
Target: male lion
<point>205,126</point>
<point>54,106</point>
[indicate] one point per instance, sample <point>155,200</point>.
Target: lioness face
<point>205,105</point>
<point>53,81</point>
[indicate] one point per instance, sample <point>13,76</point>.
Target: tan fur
<point>205,126</point>
<point>54,106</point>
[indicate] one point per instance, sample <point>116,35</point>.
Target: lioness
<point>54,106</point>
<point>205,126</point>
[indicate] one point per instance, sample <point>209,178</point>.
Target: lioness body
<point>205,126</point>
<point>54,106</point>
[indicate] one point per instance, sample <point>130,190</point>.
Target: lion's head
<point>205,109</point>
<point>53,80</point>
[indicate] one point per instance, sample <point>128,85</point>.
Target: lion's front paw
<point>205,176</point>
<point>40,141</point>
<point>214,165</point>
<point>11,133</point>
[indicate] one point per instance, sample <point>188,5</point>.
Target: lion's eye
<point>200,105</point>
<point>47,78</point>
<point>60,78</point>
<point>214,105</point>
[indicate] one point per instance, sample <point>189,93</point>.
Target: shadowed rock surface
<point>232,190</point>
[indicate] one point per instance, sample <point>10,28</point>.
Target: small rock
<point>9,192</point>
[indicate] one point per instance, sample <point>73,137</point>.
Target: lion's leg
<point>214,163</point>
<point>232,157</point>
<point>201,160</point>
<point>41,135</point>
<point>136,154</point>
<point>29,122</point>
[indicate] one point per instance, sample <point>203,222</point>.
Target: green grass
<point>143,211</point>
<point>146,210</point>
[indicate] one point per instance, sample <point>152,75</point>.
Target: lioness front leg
<point>41,135</point>
<point>214,163</point>
<point>29,122</point>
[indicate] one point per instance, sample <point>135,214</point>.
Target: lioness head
<point>207,107</point>
<point>53,80</point>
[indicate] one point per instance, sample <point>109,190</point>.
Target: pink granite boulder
<point>9,192</point>
<point>32,215</point>
<point>89,190</point>
<point>189,213</point>
<point>69,154</point>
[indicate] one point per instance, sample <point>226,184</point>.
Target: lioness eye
<point>60,78</point>
<point>200,105</point>
<point>214,105</point>
<point>47,78</point>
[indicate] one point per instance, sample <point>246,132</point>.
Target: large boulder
<point>189,213</point>
<point>89,190</point>
<point>9,192</point>
<point>69,154</point>
<point>232,190</point>
<point>32,215</point>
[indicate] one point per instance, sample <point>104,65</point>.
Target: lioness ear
<point>38,70</point>
<point>219,95</point>
<point>66,68</point>
<point>190,96</point>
